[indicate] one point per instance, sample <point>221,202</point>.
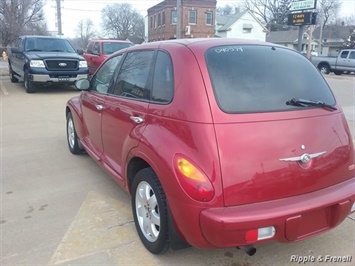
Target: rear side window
<point>163,79</point>
<point>252,78</point>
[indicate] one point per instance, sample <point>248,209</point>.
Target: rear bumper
<point>295,218</point>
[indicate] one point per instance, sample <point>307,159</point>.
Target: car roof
<point>201,43</point>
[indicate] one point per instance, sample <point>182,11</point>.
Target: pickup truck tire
<point>12,76</point>
<point>29,86</point>
<point>324,68</point>
<point>338,72</point>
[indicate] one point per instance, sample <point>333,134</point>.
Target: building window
<point>173,17</point>
<point>159,20</point>
<point>209,18</point>
<point>247,27</point>
<point>155,21</point>
<point>151,22</point>
<point>163,18</point>
<point>192,17</point>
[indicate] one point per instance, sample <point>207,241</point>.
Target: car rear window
<point>256,78</point>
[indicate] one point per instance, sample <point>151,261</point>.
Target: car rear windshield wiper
<point>303,102</point>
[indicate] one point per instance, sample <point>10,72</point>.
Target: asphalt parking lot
<point>61,209</point>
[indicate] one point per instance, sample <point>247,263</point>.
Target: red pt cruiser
<point>220,142</point>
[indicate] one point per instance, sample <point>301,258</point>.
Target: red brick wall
<point>168,31</point>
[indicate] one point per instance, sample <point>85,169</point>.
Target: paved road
<point>61,209</point>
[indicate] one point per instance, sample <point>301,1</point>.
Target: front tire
<point>13,79</point>
<point>72,137</point>
<point>29,86</point>
<point>150,211</point>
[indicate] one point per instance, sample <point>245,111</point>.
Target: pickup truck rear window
<point>255,78</point>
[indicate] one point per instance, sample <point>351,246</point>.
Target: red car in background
<point>98,50</point>
<point>220,142</point>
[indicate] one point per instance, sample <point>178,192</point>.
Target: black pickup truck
<point>44,60</point>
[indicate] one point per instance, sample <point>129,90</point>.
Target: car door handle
<point>136,119</point>
<point>99,107</point>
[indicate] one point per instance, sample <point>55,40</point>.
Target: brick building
<point>197,19</point>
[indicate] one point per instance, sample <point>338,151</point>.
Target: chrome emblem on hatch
<point>62,64</point>
<point>304,158</point>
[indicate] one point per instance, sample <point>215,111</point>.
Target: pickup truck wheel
<point>324,69</point>
<point>12,76</point>
<point>338,72</point>
<point>28,83</point>
<point>150,211</point>
<point>72,137</point>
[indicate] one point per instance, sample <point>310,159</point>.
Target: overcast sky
<point>75,10</point>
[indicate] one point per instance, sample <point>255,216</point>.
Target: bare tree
<point>328,11</point>
<point>19,17</point>
<point>346,21</point>
<point>85,32</point>
<point>122,21</point>
<point>350,42</point>
<point>228,9</point>
<point>271,12</point>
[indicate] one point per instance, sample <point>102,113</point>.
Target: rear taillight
<point>260,234</point>
<point>194,182</point>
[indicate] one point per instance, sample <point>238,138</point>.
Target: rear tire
<point>324,69</point>
<point>29,86</point>
<point>150,211</point>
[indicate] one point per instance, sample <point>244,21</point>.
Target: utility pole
<point>300,38</point>
<point>59,18</point>
<point>178,19</point>
<point>320,33</point>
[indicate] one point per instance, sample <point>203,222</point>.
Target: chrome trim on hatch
<point>304,158</point>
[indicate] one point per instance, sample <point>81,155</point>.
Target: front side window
<point>133,76</point>
<point>96,49</point>
<point>344,54</point>
<point>252,78</point>
<point>163,85</point>
<point>102,79</point>
<point>209,18</point>
<point>192,17</point>
<point>173,17</point>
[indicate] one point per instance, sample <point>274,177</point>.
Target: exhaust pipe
<point>250,250</point>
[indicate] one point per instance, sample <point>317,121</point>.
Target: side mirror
<point>82,84</point>
<point>80,51</point>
